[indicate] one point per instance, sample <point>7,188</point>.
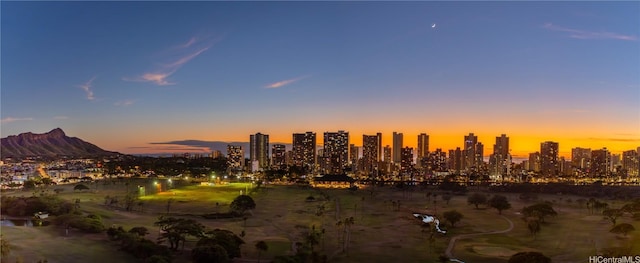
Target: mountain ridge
<point>52,144</point>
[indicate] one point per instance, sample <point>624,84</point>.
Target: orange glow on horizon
<point>520,144</point>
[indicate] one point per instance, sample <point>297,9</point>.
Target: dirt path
<point>453,240</point>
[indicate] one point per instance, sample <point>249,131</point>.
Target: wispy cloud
<point>12,119</point>
<point>579,111</point>
<point>183,60</point>
<point>87,88</point>
<point>565,111</point>
<point>157,78</point>
<point>60,117</point>
<point>184,52</point>
<point>124,103</point>
<point>284,82</point>
<point>585,34</point>
<point>189,43</point>
<point>616,139</point>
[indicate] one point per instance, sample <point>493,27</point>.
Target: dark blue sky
<point>145,72</point>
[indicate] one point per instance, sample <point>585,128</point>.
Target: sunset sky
<point>123,75</point>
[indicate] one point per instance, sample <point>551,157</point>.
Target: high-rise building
<point>336,151</point>
<point>525,165</point>
<point>630,163</point>
<point>534,162</point>
<point>386,167</point>
<point>456,159</point>
<point>379,135</point>
<point>473,152</point>
<point>259,150</point>
<point>216,154</point>
<point>549,161</point>
<point>387,154</point>
<point>580,158</point>
<point>304,150</point>
<point>354,154</point>
<point>371,150</point>
<point>288,158</point>
<point>278,156</point>
<point>600,163</point>
<point>423,145</point>
<point>235,158</point>
<point>397,147</point>
<point>500,159</point>
<point>565,167</point>
<point>436,162</point>
<point>616,161</point>
<point>406,160</point>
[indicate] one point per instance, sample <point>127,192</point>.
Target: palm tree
<point>312,239</point>
<point>338,225</point>
<point>169,201</point>
<point>5,247</point>
<point>348,222</point>
<point>261,246</point>
<point>534,227</point>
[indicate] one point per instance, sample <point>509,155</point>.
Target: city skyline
<point>127,76</point>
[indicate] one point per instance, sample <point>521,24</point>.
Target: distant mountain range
<point>212,145</point>
<point>49,145</point>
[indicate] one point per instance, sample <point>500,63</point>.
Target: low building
<point>334,181</point>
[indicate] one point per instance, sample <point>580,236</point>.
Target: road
<point>453,240</point>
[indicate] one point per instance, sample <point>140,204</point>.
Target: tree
<point>446,197</point>
<point>90,224</point>
<point>225,238</point>
<point>242,203</point>
<point>175,230</point>
<point>533,225</point>
<point>581,202</point>
<point>80,187</point>
<point>129,200</point>
<point>540,211</point>
<point>499,202</point>
<point>612,215</point>
<point>632,207</point>
<point>157,259</point>
<point>209,253</point>
<point>262,247</point>
<point>29,185</point>
<point>623,229</point>
<point>452,216</point>
<point>47,181</point>
<point>477,199</point>
<point>529,257</point>
<point>139,230</point>
<point>528,196</point>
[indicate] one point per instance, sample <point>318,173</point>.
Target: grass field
<point>382,232</point>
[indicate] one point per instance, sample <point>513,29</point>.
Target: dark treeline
<point>594,190</point>
<point>170,166</point>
